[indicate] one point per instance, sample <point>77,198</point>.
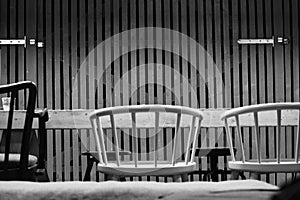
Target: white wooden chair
<point>113,125</point>
<point>271,114</point>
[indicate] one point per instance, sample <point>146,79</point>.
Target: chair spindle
<point>229,136</point>
<point>240,137</point>
<point>135,142</point>
<point>116,141</point>
<point>102,145</point>
<point>156,130</point>
<point>192,127</point>
<point>175,137</point>
<point>278,135</point>
<point>257,135</point>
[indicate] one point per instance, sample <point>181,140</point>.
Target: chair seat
<point>163,168</point>
<point>14,161</point>
<point>265,166</point>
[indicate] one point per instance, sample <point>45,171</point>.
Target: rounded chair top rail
<point>259,108</point>
<point>147,108</point>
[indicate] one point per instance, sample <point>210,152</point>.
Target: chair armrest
<point>42,115</point>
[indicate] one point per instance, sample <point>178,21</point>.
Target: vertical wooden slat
<point>261,33</point>
<point>270,77</point>
<point>57,85</point>
<point>133,54</point>
<point>12,34</point>
<point>125,37</point>
<point>227,54</point>
<point>287,52</point>
<point>288,77</point>
<point>92,69</point>
<point>107,53</point>
<point>115,51</point>
<point>83,78</point>
<point>167,56</point>
<point>295,48</point>
<point>31,65</point>
<point>176,59</point>
<point>3,34</point>
<point>209,59</point>
<point>244,50</point>
<point>91,54</point>
<point>150,53</point>
<point>254,74</point>
<point>278,51</point>
<point>262,82</point>
<point>192,27</point>
<point>235,53</point>
<point>202,54</point>
<point>49,92</point>
<point>184,53</point>
<point>167,69</point>
<point>141,63</point>
<point>218,68</point>
<point>21,50</point>
<point>66,86</point>
<point>41,76</point>
<point>99,54</point>
<point>74,62</point>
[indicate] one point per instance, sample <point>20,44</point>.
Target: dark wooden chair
<point>18,163</point>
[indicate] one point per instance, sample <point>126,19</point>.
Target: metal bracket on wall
<point>21,42</point>
<point>256,41</point>
<point>14,42</point>
<point>280,40</point>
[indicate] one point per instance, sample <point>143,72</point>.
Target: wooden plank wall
<point>71,70</point>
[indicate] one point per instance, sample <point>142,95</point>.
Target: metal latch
<point>282,40</point>
<point>21,42</point>
<point>263,41</point>
<point>14,42</point>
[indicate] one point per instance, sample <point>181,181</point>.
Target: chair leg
<point>111,177</point>
<point>184,178</point>
<point>234,175</point>
<point>176,178</point>
<point>42,175</point>
<point>254,175</point>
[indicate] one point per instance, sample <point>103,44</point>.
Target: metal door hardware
<point>280,40</point>
<point>21,42</point>
<point>14,42</point>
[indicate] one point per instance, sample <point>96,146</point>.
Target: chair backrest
<point>273,115</point>
<point>14,91</point>
<point>125,122</point>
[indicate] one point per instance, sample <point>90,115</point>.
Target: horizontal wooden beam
<point>79,119</point>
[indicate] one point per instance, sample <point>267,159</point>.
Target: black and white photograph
<point>149,99</point>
